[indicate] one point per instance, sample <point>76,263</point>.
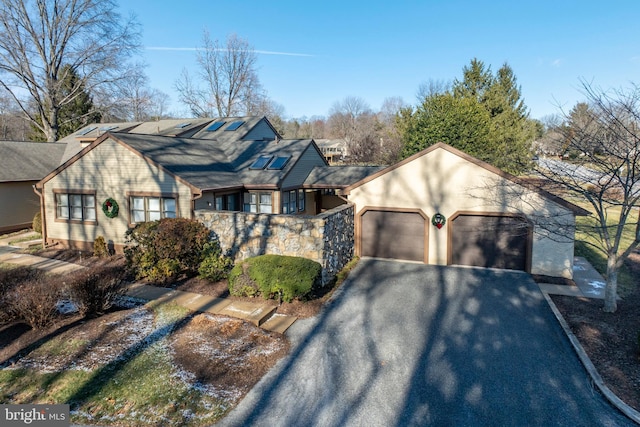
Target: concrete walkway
<point>261,313</point>
<point>589,283</point>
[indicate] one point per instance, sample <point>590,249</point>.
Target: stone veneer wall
<point>327,238</point>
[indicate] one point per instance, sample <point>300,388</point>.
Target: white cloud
<point>193,49</point>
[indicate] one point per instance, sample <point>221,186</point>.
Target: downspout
<point>194,197</point>
<point>43,220</point>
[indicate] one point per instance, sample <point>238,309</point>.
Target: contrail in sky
<point>261,52</point>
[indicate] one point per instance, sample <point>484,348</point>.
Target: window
<point>214,127</point>
<point>257,202</point>
<point>289,202</point>
<point>279,162</point>
<point>226,202</point>
<point>260,162</point>
<point>301,199</point>
<point>76,207</point>
<point>235,125</point>
<point>87,130</point>
<point>151,208</point>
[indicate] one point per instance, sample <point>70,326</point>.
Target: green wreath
<point>438,220</point>
<point>110,208</point>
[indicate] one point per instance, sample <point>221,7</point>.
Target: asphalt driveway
<point>411,344</point>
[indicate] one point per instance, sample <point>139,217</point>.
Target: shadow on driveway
<point>406,344</point>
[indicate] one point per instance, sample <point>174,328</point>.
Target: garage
<point>393,234</point>
<point>490,240</point>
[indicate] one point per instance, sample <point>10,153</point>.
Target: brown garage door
<point>490,241</point>
<point>389,234</point>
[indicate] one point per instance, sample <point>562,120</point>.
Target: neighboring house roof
<point>28,161</point>
<point>338,176</point>
<point>577,210</point>
<point>243,128</point>
<point>226,129</point>
<point>78,140</point>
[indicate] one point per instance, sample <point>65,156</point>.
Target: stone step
<point>278,323</point>
<point>254,313</point>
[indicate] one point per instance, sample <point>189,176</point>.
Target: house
<point>334,150</point>
<point>442,206</point>
<point>23,164</point>
<point>263,194</point>
<point>231,164</point>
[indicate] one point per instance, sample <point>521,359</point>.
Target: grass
<point>140,388</point>
<point>589,245</point>
<point>26,239</point>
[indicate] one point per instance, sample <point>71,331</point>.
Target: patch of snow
<point>66,306</point>
<point>596,284</point>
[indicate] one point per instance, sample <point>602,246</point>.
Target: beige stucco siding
<point>441,181</point>
<point>18,205</point>
<point>112,170</point>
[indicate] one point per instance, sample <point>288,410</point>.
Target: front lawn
<point>144,365</point>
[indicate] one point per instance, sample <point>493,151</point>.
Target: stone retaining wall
<point>327,238</point>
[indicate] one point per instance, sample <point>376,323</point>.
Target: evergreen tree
<point>501,134</point>
<point>73,115</point>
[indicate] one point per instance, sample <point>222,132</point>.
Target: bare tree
<point>229,81</point>
<point>41,40</point>
<point>604,139</point>
<point>431,88</point>
<point>131,99</point>
<point>352,120</point>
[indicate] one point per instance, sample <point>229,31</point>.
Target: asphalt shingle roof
<point>28,161</point>
<point>338,176</point>
<point>208,164</point>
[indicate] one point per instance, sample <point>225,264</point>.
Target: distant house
<point>23,164</point>
<point>334,150</point>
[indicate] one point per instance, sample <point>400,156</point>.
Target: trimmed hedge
<point>274,276</point>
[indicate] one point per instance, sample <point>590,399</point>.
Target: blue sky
<point>375,50</point>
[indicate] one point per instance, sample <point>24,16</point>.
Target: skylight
<point>107,128</point>
<point>215,126</point>
<point>235,125</point>
<point>182,125</point>
<point>261,162</point>
<point>279,162</point>
<point>87,130</point>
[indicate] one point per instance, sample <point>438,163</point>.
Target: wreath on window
<point>438,220</point>
<point>110,208</point>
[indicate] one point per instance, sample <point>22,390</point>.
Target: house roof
<point>209,165</point>
<point>225,129</point>
<point>185,128</point>
<point>338,176</point>
<point>28,161</point>
<point>577,210</point>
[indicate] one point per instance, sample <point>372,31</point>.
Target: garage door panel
<point>391,234</point>
<point>490,241</point>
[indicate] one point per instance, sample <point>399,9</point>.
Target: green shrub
<point>100,247</point>
<point>95,290</point>
<point>37,222</point>
<point>215,265</point>
<point>279,276</point>
<point>165,249</point>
